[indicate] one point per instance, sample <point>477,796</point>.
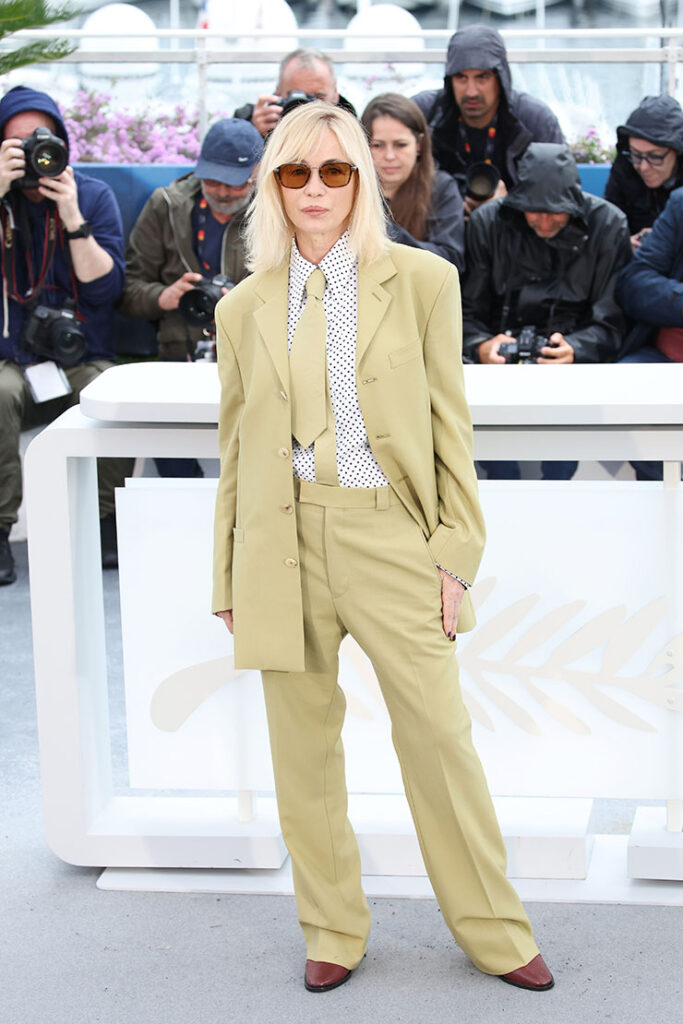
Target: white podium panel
<point>572,676</point>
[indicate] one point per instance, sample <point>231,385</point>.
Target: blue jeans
<point>647,354</point>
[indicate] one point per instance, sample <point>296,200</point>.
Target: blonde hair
<point>269,232</point>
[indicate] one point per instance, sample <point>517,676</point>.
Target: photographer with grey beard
<point>189,230</point>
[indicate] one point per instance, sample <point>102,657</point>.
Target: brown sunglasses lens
<point>334,174</point>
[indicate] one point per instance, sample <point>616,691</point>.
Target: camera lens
<point>481,181</point>
<point>197,307</point>
<point>68,342</point>
<point>48,160</point>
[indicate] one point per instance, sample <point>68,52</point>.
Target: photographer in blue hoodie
<point>62,270</point>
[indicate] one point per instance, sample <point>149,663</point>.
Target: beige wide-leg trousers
<point>366,570</point>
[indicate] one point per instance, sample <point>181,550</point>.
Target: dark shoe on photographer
<point>8,573</point>
<point>321,976</point>
<point>108,542</point>
<point>534,975</point>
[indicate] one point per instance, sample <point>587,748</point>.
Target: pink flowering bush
<point>99,134</point>
<point>589,149</point>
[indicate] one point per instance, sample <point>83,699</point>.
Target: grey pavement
<point>73,954</point>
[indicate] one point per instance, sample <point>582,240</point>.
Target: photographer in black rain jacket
<point>478,117</point>
<point>545,257</point>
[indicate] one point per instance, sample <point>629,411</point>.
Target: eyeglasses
<point>653,159</point>
<point>333,173</point>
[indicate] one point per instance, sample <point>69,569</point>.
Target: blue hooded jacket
<point>96,201</point>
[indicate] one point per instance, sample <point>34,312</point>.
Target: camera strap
<point>208,227</point>
<point>10,229</point>
<point>491,133</point>
<point>53,233</point>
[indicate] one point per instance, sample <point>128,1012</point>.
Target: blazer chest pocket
<point>404,354</point>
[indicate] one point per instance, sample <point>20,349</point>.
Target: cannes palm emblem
<point>613,636</point>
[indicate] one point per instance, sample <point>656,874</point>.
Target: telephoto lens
<point>481,181</point>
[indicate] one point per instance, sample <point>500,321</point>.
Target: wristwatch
<point>84,231</point>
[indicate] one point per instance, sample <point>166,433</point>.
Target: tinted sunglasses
<point>653,159</point>
<point>333,173</point>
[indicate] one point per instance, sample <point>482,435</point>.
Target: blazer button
<point>291,563</point>
<point>283,395</point>
<point>287,509</point>
<point>283,453</point>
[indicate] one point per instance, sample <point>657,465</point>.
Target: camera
<point>55,334</point>
<point>296,98</point>
<point>525,348</point>
<point>197,306</point>
<point>481,181</point>
<point>46,157</point>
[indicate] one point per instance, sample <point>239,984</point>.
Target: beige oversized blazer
<point>410,386</point>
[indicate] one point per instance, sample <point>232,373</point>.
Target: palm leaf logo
<point>618,636</point>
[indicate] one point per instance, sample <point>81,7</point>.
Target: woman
<point>425,205</point>
<point>346,475</point>
<point>647,167</point>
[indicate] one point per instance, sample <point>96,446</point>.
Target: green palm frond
<point>24,14</point>
<point>16,15</point>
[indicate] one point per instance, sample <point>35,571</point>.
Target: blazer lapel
<point>373,302</point>
<point>271,319</point>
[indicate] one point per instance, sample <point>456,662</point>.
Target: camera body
<point>197,306</point>
<point>55,334</point>
<point>46,157</point>
<point>525,348</point>
<point>295,98</point>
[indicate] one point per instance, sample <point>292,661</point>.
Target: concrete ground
<point>73,954</point>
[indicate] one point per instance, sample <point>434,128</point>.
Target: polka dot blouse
<point>356,465</point>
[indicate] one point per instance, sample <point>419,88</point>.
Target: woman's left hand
<point>452,593</point>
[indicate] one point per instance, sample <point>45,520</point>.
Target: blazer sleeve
<point>457,544</point>
<point>229,417</point>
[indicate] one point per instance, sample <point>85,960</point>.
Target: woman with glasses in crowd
<point>347,503</point>
<point>647,167</point>
<point>424,204</point>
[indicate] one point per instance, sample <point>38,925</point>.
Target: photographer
<point>478,118</point>
<point>62,270</point>
<point>648,164</point>
<point>189,233</point>
<point>304,75</point>
<point>545,257</point>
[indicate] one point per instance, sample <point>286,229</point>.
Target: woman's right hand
<point>226,616</point>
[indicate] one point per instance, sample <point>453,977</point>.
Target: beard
<point>226,207</point>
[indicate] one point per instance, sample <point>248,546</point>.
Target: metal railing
<point>663,46</point>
